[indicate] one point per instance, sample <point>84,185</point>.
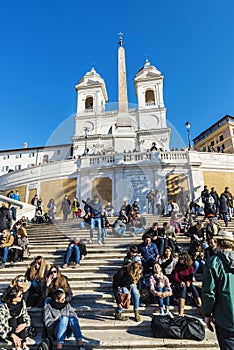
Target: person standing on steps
<point>95,210</point>
<point>126,280</point>
<point>217,291</point>
<point>65,207</point>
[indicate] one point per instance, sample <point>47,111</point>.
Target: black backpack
<point>46,344</point>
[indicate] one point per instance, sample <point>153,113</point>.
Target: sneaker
<point>99,242</point>
<point>3,265</point>
<point>168,313</point>
<point>161,312</point>
<point>90,241</point>
<point>26,348</point>
<point>77,265</point>
<point>64,266</point>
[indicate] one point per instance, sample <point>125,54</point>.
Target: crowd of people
<point>158,264</point>
<point>42,285</point>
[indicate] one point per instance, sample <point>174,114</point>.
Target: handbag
<point>125,300</point>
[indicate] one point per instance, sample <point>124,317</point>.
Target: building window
<point>18,167</point>
<point>31,155</point>
<point>6,156</point>
<point>220,138</point>
<point>149,98</point>
<point>212,143</point>
<point>5,168</point>
<point>17,156</point>
<point>58,151</point>
<point>203,148</point>
<point>89,103</point>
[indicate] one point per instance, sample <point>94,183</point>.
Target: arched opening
<point>103,187</point>
<point>149,98</point>
<point>89,103</point>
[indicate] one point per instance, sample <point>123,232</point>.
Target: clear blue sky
<point>47,46</point>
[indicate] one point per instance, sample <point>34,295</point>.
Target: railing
<point>105,159</point>
<point>23,209</point>
<point>175,155</point>
<point>131,157</point>
<point>136,157</point>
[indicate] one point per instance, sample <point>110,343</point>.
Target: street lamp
<point>187,124</point>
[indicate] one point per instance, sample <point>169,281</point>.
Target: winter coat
<point>95,209</point>
<point>7,241</point>
<point>217,289</point>
<point>155,282</point>
<point>121,279</point>
<point>53,314</point>
<point>5,329</point>
<point>5,218</point>
<point>223,204</point>
<point>183,273</point>
<point>148,252</point>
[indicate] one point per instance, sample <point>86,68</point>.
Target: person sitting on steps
<point>77,249</point>
<point>60,318</point>
<point>126,280</point>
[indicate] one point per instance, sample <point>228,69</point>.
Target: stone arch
<point>102,186</point>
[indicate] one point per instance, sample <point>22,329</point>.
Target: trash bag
<point>178,327</point>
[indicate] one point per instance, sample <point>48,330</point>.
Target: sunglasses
<point>21,280</point>
<point>54,271</point>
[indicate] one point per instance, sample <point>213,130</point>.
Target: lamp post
<point>187,124</point>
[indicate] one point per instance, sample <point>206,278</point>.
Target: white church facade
<point>111,149</point>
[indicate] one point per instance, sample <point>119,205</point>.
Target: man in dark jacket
<point>217,291</point>
<point>95,210</point>
<point>5,218</point>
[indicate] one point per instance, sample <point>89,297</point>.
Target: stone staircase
<point>92,289</point>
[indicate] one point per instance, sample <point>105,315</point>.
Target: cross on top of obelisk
<point>120,39</point>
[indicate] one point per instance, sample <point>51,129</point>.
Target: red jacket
<point>183,273</point>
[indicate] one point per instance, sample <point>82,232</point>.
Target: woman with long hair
<point>126,280</point>
<point>14,318</point>
<point>36,274</point>
<point>183,280</point>
<point>168,262</point>
<point>55,280</point>
<point>20,283</point>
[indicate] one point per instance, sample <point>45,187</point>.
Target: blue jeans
<point>139,230</point>
<point>197,264</point>
<point>61,328</point>
<point>65,214</point>
<point>165,300</point>
<point>135,297</point>
<point>69,253</point>
<point>36,286</point>
<point>225,338</point>
<point>96,221</point>
<point>13,211</point>
<point>120,230</point>
<point>5,254</point>
<point>184,290</point>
